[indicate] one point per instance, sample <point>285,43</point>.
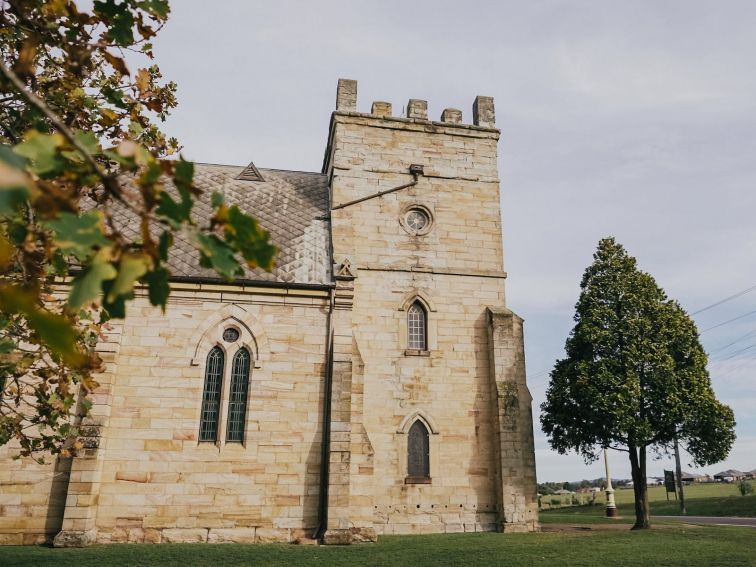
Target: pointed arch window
<point>418,453</point>
<point>237,399</point>
<point>417,327</point>
<point>211,395</point>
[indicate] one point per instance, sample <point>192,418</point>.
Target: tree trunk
<point>640,489</point>
<point>678,475</point>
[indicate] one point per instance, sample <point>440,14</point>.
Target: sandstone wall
<point>448,389</point>
<point>32,497</point>
<point>158,483</point>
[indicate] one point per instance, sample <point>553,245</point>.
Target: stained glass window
<point>418,451</point>
<point>237,400</point>
<point>416,327</point>
<point>211,395</point>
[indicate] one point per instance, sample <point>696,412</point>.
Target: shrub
<point>745,487</point>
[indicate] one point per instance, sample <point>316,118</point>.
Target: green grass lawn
<point>597,542</point>
<point>705,546</point>
<point>711,499</point>
<point>694,491</point>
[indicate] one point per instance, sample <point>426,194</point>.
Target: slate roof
<point>291,205</point>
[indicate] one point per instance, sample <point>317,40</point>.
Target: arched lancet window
<point>211,395</point>
<point>237,400</point>
<point>417,327</point>
<point>418,451</point>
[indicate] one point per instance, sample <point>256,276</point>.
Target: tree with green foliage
<point>79,140</point>
<point>634,377</point>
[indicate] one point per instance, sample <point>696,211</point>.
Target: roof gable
<point>250,173</point>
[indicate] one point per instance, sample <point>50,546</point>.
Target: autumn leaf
<point>252,241</point>
<point>42,151</point>
<point>217,199</point>
<point>130,269</point>
<point>52,330</point>
<point>87,285</point>
<point>79,235</point>
<point>176,212</point>
<point>164,244</point>
<point>116,62</point>
<point>120,18</point>
<point>88,141</point>
<point>216,254</point>
<point>158,286</point>
<point>15,188</point>
<point>142,81</point>
<point>27,55</point>
<point>156,8</point>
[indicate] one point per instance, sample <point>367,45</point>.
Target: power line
<point>729,321</point>
<point>734,354</point>
<point>727,369</point>
<point>725,300</point>
<point>728,345</point>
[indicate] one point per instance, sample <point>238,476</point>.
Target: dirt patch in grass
<point>587,529</point>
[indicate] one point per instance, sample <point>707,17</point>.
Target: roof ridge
<point>318,173</point>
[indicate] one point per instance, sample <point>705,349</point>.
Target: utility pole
<point>678,474</point>
<point>611,507</point>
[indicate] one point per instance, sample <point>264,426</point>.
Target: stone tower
<point>420,329</point>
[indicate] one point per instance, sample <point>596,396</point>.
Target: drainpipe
<point>326,426</point>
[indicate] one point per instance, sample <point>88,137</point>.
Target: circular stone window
<point>416,220</point>
<point>231,335</point>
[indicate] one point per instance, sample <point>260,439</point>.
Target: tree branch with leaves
<point>80,144</point>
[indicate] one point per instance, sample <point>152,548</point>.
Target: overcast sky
<point>633,119</point>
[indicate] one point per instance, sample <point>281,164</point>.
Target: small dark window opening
<point>211,396</point>
<point>417,327</point>
<point>418,453</point>
<point>237,401</point>
<point>231,335</point>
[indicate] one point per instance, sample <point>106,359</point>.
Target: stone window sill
<point>417,480</point>
<point>416,352</point>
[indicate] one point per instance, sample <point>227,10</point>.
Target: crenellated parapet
<point>483,114</point>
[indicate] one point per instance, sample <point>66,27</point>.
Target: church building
<point>372,383</point>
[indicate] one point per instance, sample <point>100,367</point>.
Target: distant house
<point>730,475</point>
<point>693,477</point>
<point>651,481</point>
<point>562,491</point>
<point>751,474</point>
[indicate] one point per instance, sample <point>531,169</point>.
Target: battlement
<point>417,110</point>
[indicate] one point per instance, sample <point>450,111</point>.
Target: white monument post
<point>611,507</point>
